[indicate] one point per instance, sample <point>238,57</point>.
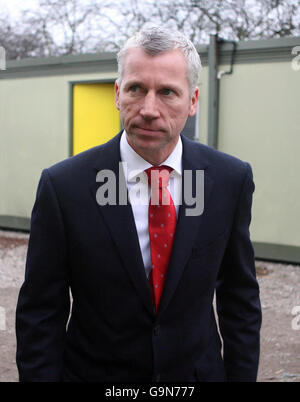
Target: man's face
<point>154,102</point>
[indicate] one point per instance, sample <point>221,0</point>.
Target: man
<point>142,290</point>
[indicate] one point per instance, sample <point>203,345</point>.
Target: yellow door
<point>95,116</point>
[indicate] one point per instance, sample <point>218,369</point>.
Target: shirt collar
<point>136,164</point>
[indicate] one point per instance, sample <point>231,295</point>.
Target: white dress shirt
<point>134,167</point>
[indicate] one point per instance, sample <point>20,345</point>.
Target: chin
<point>148,143</point>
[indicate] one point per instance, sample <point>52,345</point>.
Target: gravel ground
<point>280,296</point>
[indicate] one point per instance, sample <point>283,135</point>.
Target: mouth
<point>147,131</point>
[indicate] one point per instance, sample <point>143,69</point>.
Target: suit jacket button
<point>156,377</point>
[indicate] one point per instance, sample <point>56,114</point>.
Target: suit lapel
<point>120,221</point>
<point>188,227</point>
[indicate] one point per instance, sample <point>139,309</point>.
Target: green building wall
<point>258,121</point>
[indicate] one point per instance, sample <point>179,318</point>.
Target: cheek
<point>177,122</point>
<point>178,115</point>
<point>128,110</point>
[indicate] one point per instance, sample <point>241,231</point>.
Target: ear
<point>117,95</point>
<point>194,102</point>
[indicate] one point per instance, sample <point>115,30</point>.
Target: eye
<point>167,91</point>
<point>134,88</point>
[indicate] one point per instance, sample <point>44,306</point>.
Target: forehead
<point>169,65</point>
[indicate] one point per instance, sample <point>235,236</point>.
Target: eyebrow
<point>132,82</point>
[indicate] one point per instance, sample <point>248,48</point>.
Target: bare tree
<point>231,19</point>
<point>60,27</point>
<point>21,42</point>
<point>68,26</point>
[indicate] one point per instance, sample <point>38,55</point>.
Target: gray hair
<point>157,40</point>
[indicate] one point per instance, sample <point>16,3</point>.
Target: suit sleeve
<point>44,303</point>
<point>237,294</point>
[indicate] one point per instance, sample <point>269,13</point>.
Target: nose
<point>149,109</point>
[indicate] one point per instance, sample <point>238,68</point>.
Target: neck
<point>155,160</point>
<point>155,156</point>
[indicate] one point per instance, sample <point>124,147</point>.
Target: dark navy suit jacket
<point>112,334</point>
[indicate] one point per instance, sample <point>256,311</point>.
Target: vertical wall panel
<point>260,123</point>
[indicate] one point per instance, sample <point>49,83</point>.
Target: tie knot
<point>159,175</point>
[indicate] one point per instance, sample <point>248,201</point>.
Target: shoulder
<point>86,160</point>
<point>223,164</point>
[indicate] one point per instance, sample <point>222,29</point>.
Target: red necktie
<point>162,225</point>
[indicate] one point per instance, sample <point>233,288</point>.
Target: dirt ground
<point>280,296</point>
